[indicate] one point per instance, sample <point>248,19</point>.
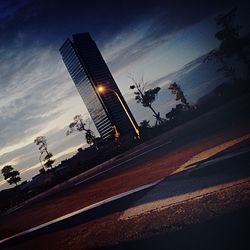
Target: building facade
<point>89,71</point>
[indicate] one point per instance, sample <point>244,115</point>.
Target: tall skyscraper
<point>89,71</point>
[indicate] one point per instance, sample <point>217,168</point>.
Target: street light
<point>101,89</point>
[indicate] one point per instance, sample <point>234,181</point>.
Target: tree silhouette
<point>41,141</point>
<point>12,176</point>
<point>49,162</point>
<point>228,70</point>
<point>145,128</point>
<point>146,97</point>
<point>79,125</point>
<point>90,137</point>
<point>145,124</point>
<point>176,89</point>
<point>230,44</point>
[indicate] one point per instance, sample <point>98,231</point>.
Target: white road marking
<point>222,158</point>
<point>92,206</point>
<point>206,154</point>
<point>118,165</point>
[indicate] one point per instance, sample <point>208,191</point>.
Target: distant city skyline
<point>37,97</point>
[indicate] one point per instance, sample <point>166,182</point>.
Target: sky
<point>152,39</point>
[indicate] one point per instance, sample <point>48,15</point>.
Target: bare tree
<point>146,97</point>
<point>41,141</point>
<point>79,125</point>
<point>12,176</point>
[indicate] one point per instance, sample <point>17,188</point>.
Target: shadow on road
<point>199,177</point>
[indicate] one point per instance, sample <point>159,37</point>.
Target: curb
<point>85,210</point>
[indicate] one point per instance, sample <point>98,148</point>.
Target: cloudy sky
<point>37,97</point>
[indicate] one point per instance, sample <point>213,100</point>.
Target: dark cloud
<point>52,21</point>
<point>9,9</point>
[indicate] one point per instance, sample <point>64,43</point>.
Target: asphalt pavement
<point>232,165</point>
<point>225,168</point>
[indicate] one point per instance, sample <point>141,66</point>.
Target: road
<point>147,163</point>
<point>206,177</point>
<point>201,179</point>
<point>219,173</point>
